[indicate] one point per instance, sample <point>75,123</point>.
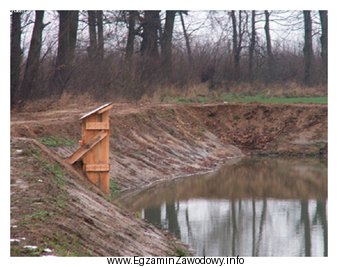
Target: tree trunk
<point>308,49</point>
<point>235,45</point>
<point>166,41</point>
<point>33,60</point>
<point>132,15</point>
<point>72,35</point>
<point>15,54</point>
<point>187,41</point>
<point>268,45</point>
<point>323,39</point>
<point>92,49</point>
<point>252,44</point>
<point>149,47</point>
<point>100,44</point>
<point>68,23</point>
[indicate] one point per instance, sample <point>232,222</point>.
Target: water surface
<point>255,207</point>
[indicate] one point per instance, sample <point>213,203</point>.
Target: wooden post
<point>94,150</point>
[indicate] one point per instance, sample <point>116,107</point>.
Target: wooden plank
<point>90,157</point>
<point>97,126</point>
<point>94,178</point>
<point>97,109</point>
<point>104,109</point>
<point>104,182</point>
<point>102,167</point>
<point>85,148</point>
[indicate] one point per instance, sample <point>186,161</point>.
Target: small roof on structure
<point>95,110</point>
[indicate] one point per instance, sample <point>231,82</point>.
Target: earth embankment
<point>147,144</point>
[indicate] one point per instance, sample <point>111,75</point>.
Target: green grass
<point>56,141</point>
<point>274,100</point>
<point>54,169</point>
<point>184,100</point>
<point>61,201</point>
<point>17,250</point>
<point>57,173</point>
<point>64,244</point>
<point>39,215</point>
<point>114,188</point>
<point>179,251</point>
<point>259,98</point>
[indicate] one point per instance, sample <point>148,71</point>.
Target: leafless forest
<point>128,54</point>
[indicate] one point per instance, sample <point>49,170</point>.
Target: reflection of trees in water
<point>234,228</point>
<point>239,231</point>
<point>253,227</point>
<point>153,214</point>
<point>307,231</point>
<point>240,227</point>
<point>261,225</point>
<point>321,219</point>
<point>190,235</point>
<point>321,210</point>
<point>242,219</point>
<point>171,217</point>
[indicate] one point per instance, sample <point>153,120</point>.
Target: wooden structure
<point>94,147</point>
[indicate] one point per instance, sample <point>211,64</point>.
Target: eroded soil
<point>54,207</point>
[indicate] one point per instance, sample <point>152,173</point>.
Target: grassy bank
<point>259,98</point>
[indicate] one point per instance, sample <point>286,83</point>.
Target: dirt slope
<point>296,129</point>
<point>51,208</point>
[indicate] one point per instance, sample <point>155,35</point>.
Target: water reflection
<point>257,207</point>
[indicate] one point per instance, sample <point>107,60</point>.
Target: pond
<point>253,207</point>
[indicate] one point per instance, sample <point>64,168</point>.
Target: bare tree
<point>33,60</point>
<point>150,36</point>
<point>269,45</point>
<point>92,49</point>
<point>132,15</point>
<point>186,37</point>
<point>323,39</point>
<point>100,41</point>
<point>15,53</point>
<point>237,38</point>
<point>166,41</point>
<point>308,49</point>
<point>96,42</point>
<point>252,43</point>
<point>68,23</point>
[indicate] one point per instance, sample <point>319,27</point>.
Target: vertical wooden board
<point>86,136</point>
<point>105,141</point>
<point>90,157</point>
<point>104,182</point>
<point>97,150</point>
<point>105,153</point>
<point>94,178</point>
